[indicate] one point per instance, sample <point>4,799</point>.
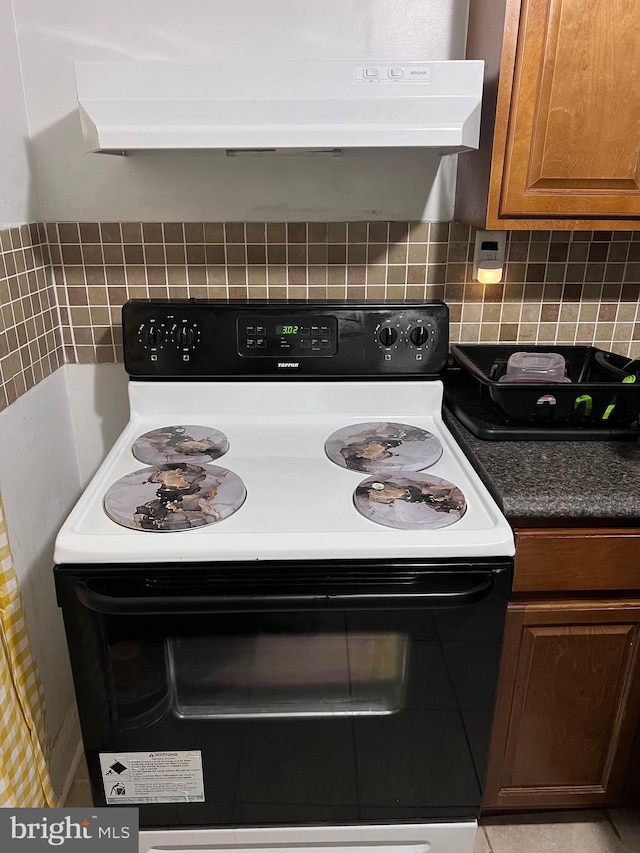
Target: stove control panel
<point>168,331</point>
<point>288,335</point>
<point>408,332</point>
<point>194,339</point>
<point>168,335</point>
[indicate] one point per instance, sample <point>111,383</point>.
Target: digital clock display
<point>288,334</point>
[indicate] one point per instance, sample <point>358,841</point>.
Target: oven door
<point>280,695</point>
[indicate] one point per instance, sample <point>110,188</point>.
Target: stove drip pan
<point>196,444</point>
<point>170,498</point>
<point>383,447</point>
<point>418,502</point>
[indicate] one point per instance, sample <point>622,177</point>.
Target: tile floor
<point>79,793</point>
<point>614,831</point>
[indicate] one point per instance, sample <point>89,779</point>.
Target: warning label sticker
<point>152,777</point>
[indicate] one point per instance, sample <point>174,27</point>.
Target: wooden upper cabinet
<point>561,143</point>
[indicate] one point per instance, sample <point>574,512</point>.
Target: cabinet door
<point>567,141</point>
<point>568,703</point>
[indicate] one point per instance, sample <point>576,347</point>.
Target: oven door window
<point>288,673</point>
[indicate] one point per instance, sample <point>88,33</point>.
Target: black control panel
<point>288,335</point>
<point>209,339</point>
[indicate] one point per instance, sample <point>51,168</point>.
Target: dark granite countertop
<point>537,480</point>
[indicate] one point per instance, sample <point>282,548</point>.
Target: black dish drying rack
<point>600,401</point>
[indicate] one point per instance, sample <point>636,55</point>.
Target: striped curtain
<point>24,775</point>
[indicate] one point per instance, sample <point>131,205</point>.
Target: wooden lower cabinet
<point>568,705</point>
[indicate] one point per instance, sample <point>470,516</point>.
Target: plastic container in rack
<point>600,394</point>
<point>535,367</point>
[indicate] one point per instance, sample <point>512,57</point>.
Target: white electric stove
<point>299,504</point>
<point>283,460</point>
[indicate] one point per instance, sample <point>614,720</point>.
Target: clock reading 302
<point>293,335</point>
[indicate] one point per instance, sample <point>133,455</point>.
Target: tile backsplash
<point>559,287</point>
<point>30,337</point>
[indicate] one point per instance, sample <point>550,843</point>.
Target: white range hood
<point>280,105</point>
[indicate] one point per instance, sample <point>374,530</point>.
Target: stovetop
<point>299,504</point>
<point>273,398</point>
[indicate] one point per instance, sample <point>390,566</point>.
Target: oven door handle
<point>174,605</point>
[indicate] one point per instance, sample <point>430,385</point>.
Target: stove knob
<point>185,336</point>
<point>419,335</point>
<point>387,336</point>
<point>155,336</point>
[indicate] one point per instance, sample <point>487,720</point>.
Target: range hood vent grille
<point>281,106</point>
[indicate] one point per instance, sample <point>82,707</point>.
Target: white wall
<point>18,200</point>
<point>75,185</point>
<point>54,436</point>
<point>99,410</point>
<point>40,483</point>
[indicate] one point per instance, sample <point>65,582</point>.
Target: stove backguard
<point>206,339</point>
